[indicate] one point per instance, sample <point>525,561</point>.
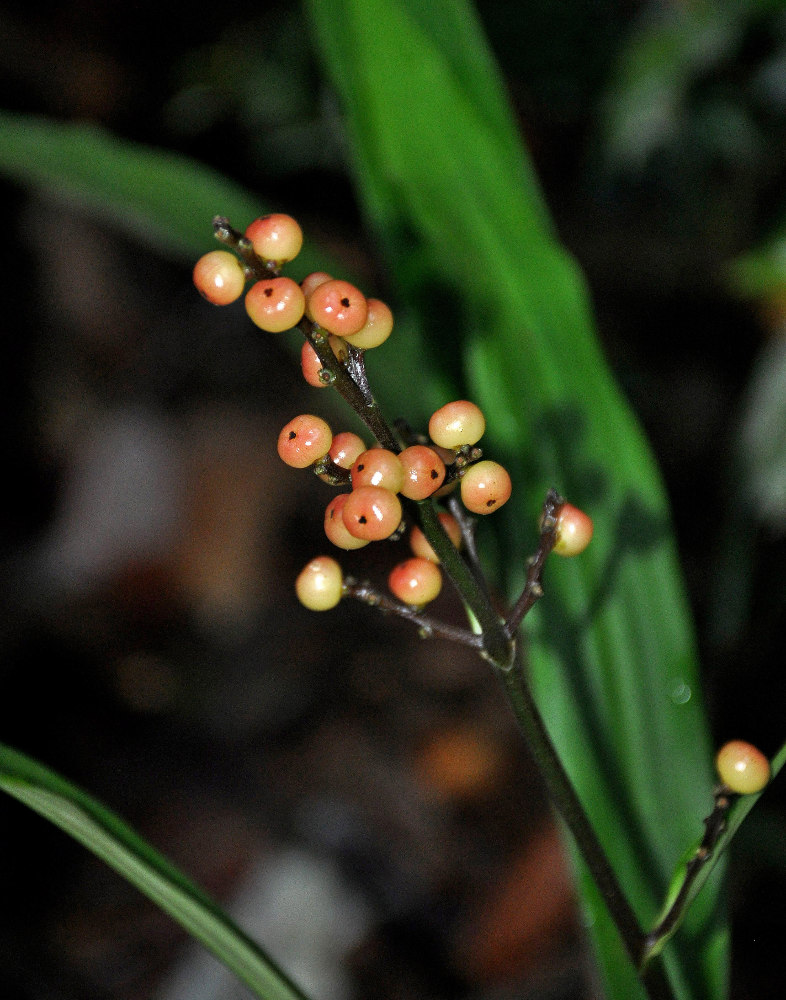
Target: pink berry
<point>345,449</point>
<point>336,530</point>
<point>456,424</point>
<point>574,531</point>
<point>276,237</point>
<point>311,366</point>
<point>311,281</point>
<point>378,467</point>
<point>742,767</point>
<point>416,581</point>
<point>485,487</point>
<point>275,304</point>
<point>424,472</point>
<point>377,328</point>
<point>304,441</point>
<point>320,583</point>
<point>338,307</point>
<point>372,513</point>
<point>219,277</point>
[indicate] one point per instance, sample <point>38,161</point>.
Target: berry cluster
<point>390,488</point>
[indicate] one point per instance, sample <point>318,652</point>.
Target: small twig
<point>427,625</point>
<point>533,587</point>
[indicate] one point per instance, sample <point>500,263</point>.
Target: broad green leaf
<point>159,197</point>
<point>112,840</point>
<point>505,313</point>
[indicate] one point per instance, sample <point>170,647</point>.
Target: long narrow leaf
<point>112,840</point>
<point>453,198</point>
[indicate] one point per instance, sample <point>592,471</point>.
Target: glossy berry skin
<point>742,767</point>
<point>416,581</point>
<point>275,237</point>
<point>311,366</point>
<point>311,281</point>
<point>574,531</point>
<point>319,584</point>
<point>485,487</point>
<point>420,545</point>
<point>336,530</point>
<point>372,513</point>
<point>304,441</point>
<point>424,472</point>
<point>377,328</point>
<point>275,304</point>
<point>346,448</point>
<point>219,278</point>
<point>378,467</point>
<point>456,424</point>
<point>338,307</point>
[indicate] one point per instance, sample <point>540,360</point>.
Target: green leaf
<point>159,197</point>
<point>112,840</point>
<point>504,313</point>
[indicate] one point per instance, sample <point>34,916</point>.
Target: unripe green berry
<point>424,472</point>
<point>275,304</point>
<point>276,237</point>
<point>573,532</point>
<point>377,328</point>
<point>219,277</point>
<point>338,307</point>
<point>485,487</point>
<point>372,513</point>
<point>456,424</point>
<point>320,583</point>
<point>378,467</point>
<point>336,530</point>
<point>420,544</point>
<point>416,581</point>
<point>304,441</point>
<point>742,767</point>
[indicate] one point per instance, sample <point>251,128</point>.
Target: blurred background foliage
<point>136,616</point>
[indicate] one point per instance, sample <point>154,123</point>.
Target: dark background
<point>152,649</point>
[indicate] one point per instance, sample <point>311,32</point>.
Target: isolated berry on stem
<point>219,278</point>
<point>338,307</point>
<point>573,532</point>
<point>456,424</point>
<point>320,583</point>
<point>485,487</point>
<point>742,767</point>
<point>275,237</point>
<point>304,441</point>
<point>416,581</point>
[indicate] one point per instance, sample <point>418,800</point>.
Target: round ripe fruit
<point>485,487</point>
<point>416,581</point>
<point>378,467</point>
<point>311,281</point>
<point>275,304</point>
<point>742,767</point>
<point>377,328</point>
<point>420,544</point>
<point>219,277</point>
<point>319,584</point>
<point>345,449</point>
<point>335,528</point>
<point>457,423</point>
<point>573,532</point>
<point>338,307</point>
<point>304,441</point>
<point>424,472</point>
<point>372,513</point>
<point>275,237</point>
